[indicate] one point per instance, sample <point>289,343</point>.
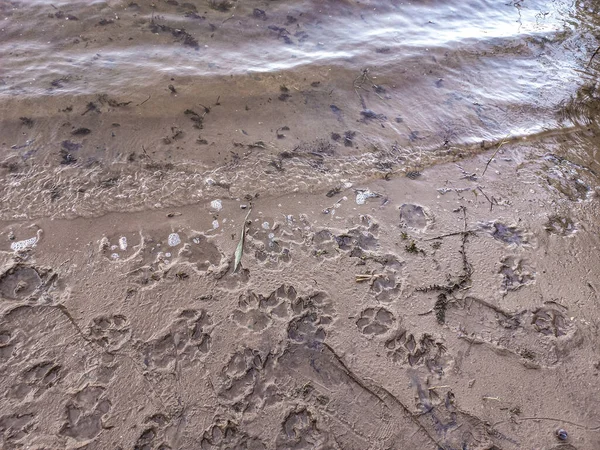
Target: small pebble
<point>562,434</point>
<point>173,240</point>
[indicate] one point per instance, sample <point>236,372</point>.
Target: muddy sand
<point>299,225</point>
<point>439,312</point>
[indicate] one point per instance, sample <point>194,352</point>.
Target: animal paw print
<point>111,332</point>
<point>375,321</point>
<point>188,339</point>
<point>84,414</point>
<point>324,244</point>
<point>19,283</point>
<point>404,348</point>
<point>225,434</point>
<point>416,217</point>
<point>356,241</point>
<point>515,274</point>
<point>240,375</point>
<point>35,380</point>
<point>313,314</point>
<point>509,234</point>
<point>257,312</point>
<point>155,433</point>
<point>14,428</point>
<point>272,243</point>
<point>156,256</point>
<point>7,344</point>
<point>301,431</point>
<point>550,322</point>
<point>560,225</point>
<point>309,328</point>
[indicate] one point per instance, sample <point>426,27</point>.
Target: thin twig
<point>495,153</point>
<point>146,153</point>
<point>149,96</point>
<point>593,55</point>
<point>456,233</point>
<point>487,198</point>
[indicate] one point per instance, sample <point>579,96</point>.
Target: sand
<point>420,239</point>
<point>447,311</point>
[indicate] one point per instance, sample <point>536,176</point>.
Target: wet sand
<point>424,317</point>
<point>419,269</point>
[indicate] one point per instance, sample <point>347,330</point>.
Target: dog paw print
<point>15,427</point>
<point>154,435</point>
<point>300,430</point>
<point>560,225</point>
<point>84,414</point>
<point>324,244</point>
<point>272,243</point>
<point>35,380</point>
<point>240,375</point>
<point>515,273</point>
<point>7,344</point>
<point>375,321</point>
<point>19,283</point>
<point>309,328</point>
<point>550,322</point>
<point>508,234</point>
<point>225,433</point>
<point>187,340</point>
<point>405,348</point>
<point>110,332</point>
<point>257,312</point>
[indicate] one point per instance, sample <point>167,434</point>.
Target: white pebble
<point>215,224</point>
<point>217,205</point>
<point>266,225</point>
<point>174,240</point>
<point>123,243</point>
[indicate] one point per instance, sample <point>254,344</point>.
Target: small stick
<point>495,153</point>
<point>149,96</point>
<point>456,233</point>
<point>595,53</point>
<point>487,198</point>
<point>146,153</point>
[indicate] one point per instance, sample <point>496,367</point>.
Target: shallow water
<point>129,105</point>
